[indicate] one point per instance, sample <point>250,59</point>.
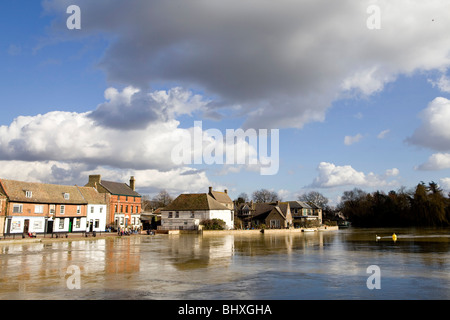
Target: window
<point>78,209</point>
<point>115,208</point>
<point>62,209</point>
<point>77,222</point>
<point>52,209</point>
<point>66,196</point>
<point>126,209</point>
<point>177,214</point>
<point>97,223</point>
<point>121,208</point>
<point>38,209</point>
<point>192,214</point>
<point>275,223</point>
<point>170,214</point>
<point>61,223</point>
<point>92,209</point>
<point>17,208</point>
<point>101,209</point>
<point>29,194</point>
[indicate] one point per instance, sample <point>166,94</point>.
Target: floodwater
<point>313,265</point>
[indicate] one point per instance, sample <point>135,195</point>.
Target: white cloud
<point>383,134</point>
<point>349,140</point>
<point>331,175</point>
<point>437,161</point>
<point>443,83</point>
<point>445,183</point>
<point>434,131</point>
<point>177,180</point>
<point>392,172</point>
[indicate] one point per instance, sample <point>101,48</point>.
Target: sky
<point>358,92</point>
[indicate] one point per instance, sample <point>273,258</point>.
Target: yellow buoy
<point>394,237</point>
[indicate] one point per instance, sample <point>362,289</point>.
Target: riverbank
<point>48,238</point>
<point>256,231</point>
<point>105,235</point>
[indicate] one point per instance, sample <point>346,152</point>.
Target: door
<point>70,224</point>
<point>49,226</point>
<point>26,225</point>
<point>91,226</point>
<point>8,226</point>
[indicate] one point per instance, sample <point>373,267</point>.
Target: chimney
<point>210,189</point>
<point>226,191</point>
<point>132,183</point>
<point>95,179</point>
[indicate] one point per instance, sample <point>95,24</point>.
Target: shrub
<point>213,224</point>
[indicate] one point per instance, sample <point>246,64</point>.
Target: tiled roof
<point>119,188</point>
<point>92,196</point>
<point>299,205</point>
<point>222,197</point>
<point>41,192</point>
<point>194,201</point>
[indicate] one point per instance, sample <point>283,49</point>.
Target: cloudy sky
<point>360,96</point>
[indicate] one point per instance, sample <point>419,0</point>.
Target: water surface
<point>318,265</point>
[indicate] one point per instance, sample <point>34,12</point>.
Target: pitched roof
<point>41,192</point>
<point>299,205</point>
<point>222,197</point>
<point>119,188</point>
<point>194,201</point>
<point>92,196</point>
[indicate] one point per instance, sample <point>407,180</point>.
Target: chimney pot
<point>132,183</point>
<point>210,189</point>
<point>226,191</point>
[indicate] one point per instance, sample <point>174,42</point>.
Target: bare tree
<point>162,199</point>
<point>315,197</point>
<point>264,195</point>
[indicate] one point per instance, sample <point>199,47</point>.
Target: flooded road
<point>316,265</point>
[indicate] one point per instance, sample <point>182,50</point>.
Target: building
<point>187,212</point>
<point>124,207</point>
<point>304,212</point>
<point>222,197</point>
<point>97,206</point>
<point>276,215</point>
<point>42,208</point>
<point>2,211</point>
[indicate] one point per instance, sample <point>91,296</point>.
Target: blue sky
<point>105,99</point>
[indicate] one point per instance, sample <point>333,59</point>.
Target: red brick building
<point>42,208</point>
<point>124,208</point>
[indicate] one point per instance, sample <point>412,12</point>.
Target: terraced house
<point>124,205</point>
<point>42,208</point>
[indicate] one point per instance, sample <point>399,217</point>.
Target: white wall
<point>37,224</point>
<point>96,212</point>
<point>186,220</point>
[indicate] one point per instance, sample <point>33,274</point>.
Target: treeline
<point>424,205</point>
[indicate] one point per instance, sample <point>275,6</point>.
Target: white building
<point>187,212</point>
<point>96,209</point>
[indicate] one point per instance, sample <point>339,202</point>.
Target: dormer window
<point>29,194</point>
<point>66,196</point>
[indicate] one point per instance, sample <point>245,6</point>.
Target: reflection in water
<point>318,265</point>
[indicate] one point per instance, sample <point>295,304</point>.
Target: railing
<point>177,228</point>
<point>62,234</point>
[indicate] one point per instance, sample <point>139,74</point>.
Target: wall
<point>96,212</point>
